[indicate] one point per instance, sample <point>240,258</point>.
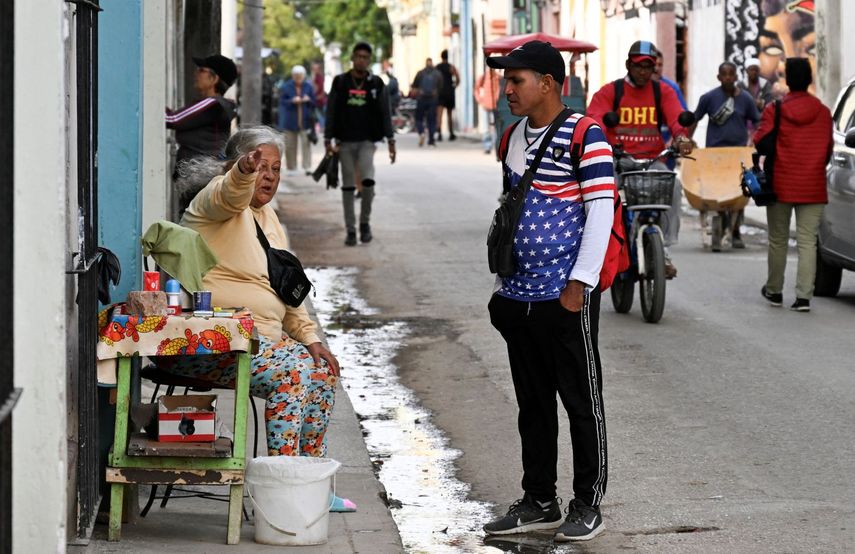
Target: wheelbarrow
<point>711,186</point>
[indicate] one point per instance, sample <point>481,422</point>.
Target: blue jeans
<point>426,107</point>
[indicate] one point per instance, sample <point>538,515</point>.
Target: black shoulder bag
<point>287,278</point>
<point>500,237</point>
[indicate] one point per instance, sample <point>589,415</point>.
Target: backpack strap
<point>657,100</point>
<point>577,143</point>
<point>506,139</point>
<point>618,84</point>
<point>503,152</point>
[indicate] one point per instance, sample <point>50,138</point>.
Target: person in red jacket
<point>639,128</point>
<point>802,150</point>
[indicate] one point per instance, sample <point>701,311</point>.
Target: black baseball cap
<point>536,55</point>
<point>224,67</point>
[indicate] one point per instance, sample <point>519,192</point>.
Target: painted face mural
<point>771,31</point>
<point>787,32</point>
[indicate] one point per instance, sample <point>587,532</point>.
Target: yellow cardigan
<point>222,215</point>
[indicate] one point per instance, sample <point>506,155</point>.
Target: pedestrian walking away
<point>426,87</point>
<point>642,104</point>
<point>731,110</point>
<point>450,80</point>
<point>802,146</point>
<point>357,118</point>
<point>296,119</point>
<point>548,311</point>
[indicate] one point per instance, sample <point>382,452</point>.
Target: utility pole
<point>250,78</point>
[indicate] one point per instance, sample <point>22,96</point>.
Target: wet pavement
<point>411,457</point>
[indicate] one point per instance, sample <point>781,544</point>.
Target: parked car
<point>837,228</point>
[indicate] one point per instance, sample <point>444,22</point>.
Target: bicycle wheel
<point>623,288</point>
<point>652,284</point>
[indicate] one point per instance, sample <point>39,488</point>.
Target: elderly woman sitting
<point>293,371</point>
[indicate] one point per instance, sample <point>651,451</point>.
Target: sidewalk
<point>199,525</point>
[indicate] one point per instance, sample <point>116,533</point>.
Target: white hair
<point>298,70</point>
<point>248,139</point>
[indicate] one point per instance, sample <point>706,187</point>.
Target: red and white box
<point>190,418</point>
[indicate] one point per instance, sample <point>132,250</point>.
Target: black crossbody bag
<point>287,278</point>
<point>500,237</point>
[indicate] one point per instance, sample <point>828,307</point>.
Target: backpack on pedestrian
<point>616,259</point>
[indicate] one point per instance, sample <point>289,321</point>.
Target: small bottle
<point>173,293</point>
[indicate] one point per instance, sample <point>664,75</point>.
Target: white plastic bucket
<point>291,496</point>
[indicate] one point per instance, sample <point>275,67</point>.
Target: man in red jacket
<point>802,150</point>
<point>633,98</point>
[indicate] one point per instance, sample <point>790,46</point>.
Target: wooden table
<point>154,463</point>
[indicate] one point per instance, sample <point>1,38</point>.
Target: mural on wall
<point>627,8</point>
<point>771,31</point>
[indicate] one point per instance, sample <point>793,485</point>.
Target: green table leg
<point>235,513</point>
<point>117,492</point>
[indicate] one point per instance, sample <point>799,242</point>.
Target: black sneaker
<point>776,299</point>
<point>583,523</point>
<point>737,242</point>
<point>351,239</point>
<point>526,514</point>
<point>801,305</point>
<point>365,232</point>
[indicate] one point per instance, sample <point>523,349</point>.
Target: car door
<point>837,233</point>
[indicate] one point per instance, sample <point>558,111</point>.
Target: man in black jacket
<point>358,116</point>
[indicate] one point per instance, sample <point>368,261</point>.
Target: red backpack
<point>616,259</point>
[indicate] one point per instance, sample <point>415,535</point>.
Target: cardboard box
<point>190,418</point>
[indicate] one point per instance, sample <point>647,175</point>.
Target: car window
<point>844,115</point>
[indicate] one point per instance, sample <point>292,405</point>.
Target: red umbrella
<point>506,44</point>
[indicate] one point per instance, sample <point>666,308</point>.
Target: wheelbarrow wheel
<point>622,290</point>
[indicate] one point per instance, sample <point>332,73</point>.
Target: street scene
<point>463,276</point>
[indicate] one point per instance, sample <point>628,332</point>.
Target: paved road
<point>729,418</point>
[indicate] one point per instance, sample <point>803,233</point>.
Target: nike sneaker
<point>583,523</point>
<point>527,514</point>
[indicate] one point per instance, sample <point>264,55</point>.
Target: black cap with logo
<point>536,55</point>
<point>224,67</point>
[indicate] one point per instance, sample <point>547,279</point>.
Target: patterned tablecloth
<point>122,335</point>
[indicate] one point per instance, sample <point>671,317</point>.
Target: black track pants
<point>553,350</point>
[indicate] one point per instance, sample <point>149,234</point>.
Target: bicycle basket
<point>647,188</point>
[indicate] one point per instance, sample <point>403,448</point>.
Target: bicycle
<point>646,195</point>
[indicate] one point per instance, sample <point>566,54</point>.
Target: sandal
<point>342,505</point>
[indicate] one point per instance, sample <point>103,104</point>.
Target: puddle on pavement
<point>411,456</point>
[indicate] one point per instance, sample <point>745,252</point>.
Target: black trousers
<point>551,351</point>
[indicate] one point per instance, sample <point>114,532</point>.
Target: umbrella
<point>506,44</point>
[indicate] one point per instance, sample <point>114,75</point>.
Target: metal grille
<point>647,188</point>
<point>8,393</point>
<point>88,489</point>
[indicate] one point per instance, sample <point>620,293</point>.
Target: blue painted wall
<point>120,137</point>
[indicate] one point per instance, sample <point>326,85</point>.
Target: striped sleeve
<point>191,110</point>
<point>597,172</point>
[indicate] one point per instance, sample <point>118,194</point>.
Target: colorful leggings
<point>299,396</point>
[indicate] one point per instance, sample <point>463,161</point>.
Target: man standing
<point>357,118</point>
<point>450,80</point>
<point>296,120</point>
<point>802,150</point>
<point>548,311</point>
<point>641,104</point>
<point>730,110</point>
<point>426,86</point>
<point>759,88</point>
<point>320,92</point>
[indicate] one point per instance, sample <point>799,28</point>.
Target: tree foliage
<point>348,22</point>
<point>286,30</point>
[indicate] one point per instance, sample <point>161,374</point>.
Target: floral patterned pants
<point>298,395</point>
